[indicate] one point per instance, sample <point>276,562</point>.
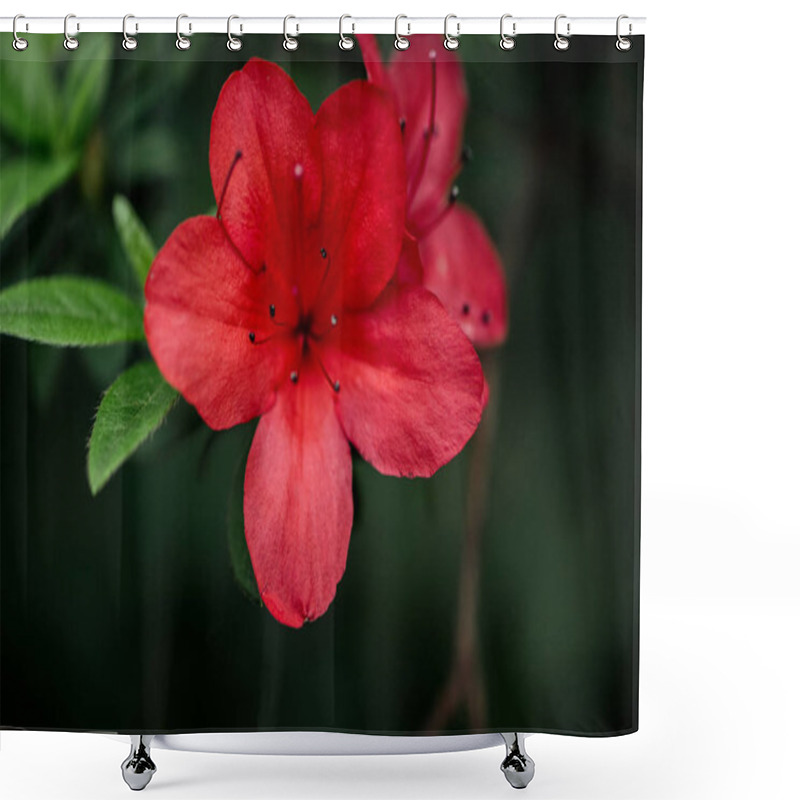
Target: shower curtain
<point>320,385</point>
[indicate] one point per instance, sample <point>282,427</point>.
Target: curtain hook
<point>507,42</point>
<point>623,44</point>
<point>451,42</point>
<point>400,42</point>
<point>346,42</point>
<point>561,42</point>
<point>182,43</point>
<point>128,42</point>
<point>18,43</point>
<point>70,42</point>
<point>289,42</point>
<point>234,44</point>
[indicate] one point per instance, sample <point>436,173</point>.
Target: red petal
<point>411,383</point>
<point>372,59</point>
<point>411,75</point>
<point>261,114</point>
<point>463,269</point>
<point>409,267</point>
<point>298,501</point>
<point>202,303</point>
<point>363,206</point>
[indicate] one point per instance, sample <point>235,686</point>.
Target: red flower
<point>282,308</point>
<point>458,261</point>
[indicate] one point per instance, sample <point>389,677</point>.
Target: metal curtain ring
<point>70,42</point>
<point>451,42</point>
<point>561,42</point>
<point>400,42</point>
<point>234,44</point>
<point>289,42</point>
<point>623,44</point>
<point>507,42</point>
<point>18,43</point>
<point>182,43</point>
<point>128,42</point>
<point>346,42</point>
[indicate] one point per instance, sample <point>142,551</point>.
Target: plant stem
<point>464,685</point>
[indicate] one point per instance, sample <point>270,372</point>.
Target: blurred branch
<point>465,685</point>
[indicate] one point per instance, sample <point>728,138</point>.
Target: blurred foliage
<point>47,111</point>
<point>133,588</point>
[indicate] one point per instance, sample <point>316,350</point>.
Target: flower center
<point>311,326</point>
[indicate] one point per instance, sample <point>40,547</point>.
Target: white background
<point>720,672</point>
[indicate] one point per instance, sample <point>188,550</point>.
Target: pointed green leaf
<point>237,543</point>
<point>26,181</point>
<point>132,408</point>
<point>69,311</point>
<point>135,239</point>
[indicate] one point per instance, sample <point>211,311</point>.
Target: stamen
<point>252,337</point>
<point>486,317</point>
<point>293,376</point>
<point>334,320</point>
<point>298,229</point>
<point>238,252</point>
<point>236,157</point>
<point>451,200</point>
<point>324,253</point>
<point>427,134</point>
<point>465,309</point>
<point>402,125</point>
<point>272,311</point>
<point>335,385</point>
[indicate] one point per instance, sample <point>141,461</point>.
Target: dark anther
<point>252,337</point>
<point>402,124</point>
<point>323,252</point>
<point>466,154</point>
<point>336,387</point>
<point>454,193</point>
<point>272,311</point>
<point>334,320</point>
<point>263,267</point>
<point>486,318</point>
<point>293,377</point>
<point>465,309</point>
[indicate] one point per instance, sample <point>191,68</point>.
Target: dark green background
<point>122,612</point>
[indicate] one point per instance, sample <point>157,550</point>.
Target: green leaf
<point>132,408</point>
<point>30,106</point>
<point>135,239</point>
<point>237,543</point>
<point>26,181</point>
<point>69,311</point>
<point>85,85</point>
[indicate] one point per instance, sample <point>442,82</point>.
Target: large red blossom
<point>283,308</point>
<point>457,260</point>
